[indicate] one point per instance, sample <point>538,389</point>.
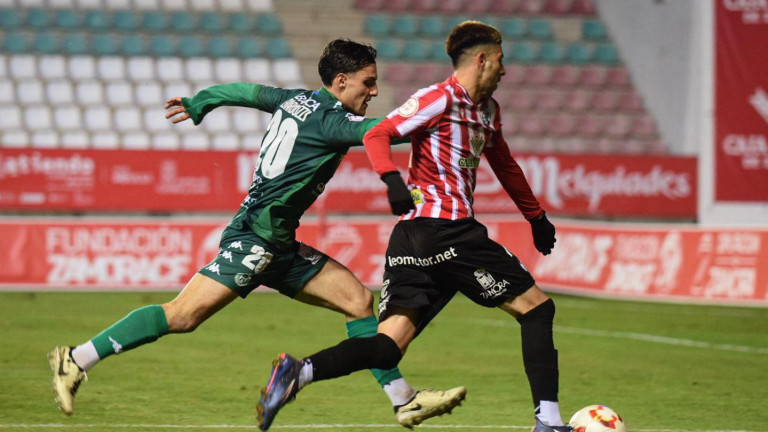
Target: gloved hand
<point>543,234</point>
<point>399,196</point>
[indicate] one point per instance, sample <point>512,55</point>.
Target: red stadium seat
<point>538,75</point>
<point>396,6</point>
<point>566,75</point>
<point>644,127</point>
<point>618,77</point>
<point>617,126</point>
<point>630,101</point>
<point>558,7</point>
<point>398,72</point>
<point>368,5</point>
<point>479,6</point>
<point>589,126</point>
<point>532,125</point>
<point>592,76</point>
<point>605,100</point>
<point>520,100</point>
<point>504,7</point>
<point>515,74</point>
<point>532,7</point>
<point>549,100</point>
<point>451,6</point>
<point>583,7</point>
<point>424,6</point>
<point>561,125</point>
<point>577,100</point>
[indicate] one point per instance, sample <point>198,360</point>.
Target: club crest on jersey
<point>417,196</point>
<point>409,108</point>
<point>477,141</point>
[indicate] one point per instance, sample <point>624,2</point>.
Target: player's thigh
<point>401,326</point>
<point>334,287</point>
<point>199,300</point>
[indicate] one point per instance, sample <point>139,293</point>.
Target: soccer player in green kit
<point>308,136</point>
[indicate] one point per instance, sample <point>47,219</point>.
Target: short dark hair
<point>470,34</point>
<point>344,56</point>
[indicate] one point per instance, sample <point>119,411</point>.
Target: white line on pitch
<point>305,426</point>
<point>639,336</point>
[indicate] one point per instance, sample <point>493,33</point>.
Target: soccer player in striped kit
<point>438,248</point>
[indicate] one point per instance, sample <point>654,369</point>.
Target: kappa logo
<point>214,268</point>
<point>236,244</point>
<point>227,255</point>
<point>116,345</point>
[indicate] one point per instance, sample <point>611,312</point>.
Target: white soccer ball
<point>597,418</point>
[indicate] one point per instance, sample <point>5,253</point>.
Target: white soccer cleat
<point>427,404</point>
<point>67,377</point>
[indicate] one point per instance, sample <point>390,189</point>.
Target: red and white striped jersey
<point>448,134</point>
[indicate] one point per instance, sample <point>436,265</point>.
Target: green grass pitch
<point>664,367</point>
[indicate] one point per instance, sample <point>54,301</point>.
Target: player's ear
<point>341,80</point>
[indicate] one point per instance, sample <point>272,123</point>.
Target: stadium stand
<point>566,87</point>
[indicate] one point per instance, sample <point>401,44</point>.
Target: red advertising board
<point>741,101</point>
<point>627,261</point>
<point>179,181</point>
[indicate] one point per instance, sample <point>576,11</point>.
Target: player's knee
<point>361,303</point>
<point>388,354</point>
<point>545,312</point>
<point>179,321</point>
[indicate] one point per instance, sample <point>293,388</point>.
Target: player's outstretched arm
<point>177,111</point>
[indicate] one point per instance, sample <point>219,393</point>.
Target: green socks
<point>139,327</point>
<point>367,327</point>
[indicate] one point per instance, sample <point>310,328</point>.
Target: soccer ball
<point>597,418</point>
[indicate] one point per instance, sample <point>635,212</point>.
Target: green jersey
<point>304,144</point>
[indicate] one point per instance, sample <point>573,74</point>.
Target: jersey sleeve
<point>342,129</point>
<point>257,96</point>
<point>422,111</point>
<point>511,177</point>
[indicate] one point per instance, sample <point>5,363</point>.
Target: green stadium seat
<point>437,51</point>
<point>211,22</point>
<point>162,45</point>
<point>104,44</point>
<point>249,47</point>
<point>38,18</point>
<point>183,22</point>
<point>578,53</point>
<point>521,52</point>
<point>432,26</point>
<point>15,43</point>
<point>269,24</point>
<point>241,23</point>
<point>593,30</point>
<point>220,46</point>
<point>74,44</point>
<point>416,50</point>
<point>154,21</point>
<point>46,43</point>
<point>539,29</point>
<point>551,52</point>
<point>133,45</point>
<point>97,20</point>
<point>191,46</point>
<point>67,19</point>
<point>404,25</point>
<point>376,25</point>
<point>512,28</point>
<point>389,49</point>
<point>606,54</point>
<point>125,20</point>
<point>277,48</point>
<point>10,19</point>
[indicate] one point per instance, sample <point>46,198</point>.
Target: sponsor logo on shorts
<point>227,255</point>
<point>236,244</point>
<point>384,296</point>
<point>489,284</point>
<point>242,279</point>
<point>422,262</point>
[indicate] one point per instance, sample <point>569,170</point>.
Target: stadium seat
<point>287,71</point>
<point>549,100</point>
<point>512,28</point>
<point>203,5</point>
<point>89,4</point>
<point>60,92</point>
<point>7,92</point>
<point>376,25</point>
<point>532,7</point>
<point>478,7</point>
<point>277,47</point>
<point>162,45</point>
<point>199,69</point>
<point>404,26</point>
<point>133,45</point>
<point>165,141</point>
<point>197,141</point>
<point>170,69</point>
<point>593,30</point>
<point>97,20</point>
<point>450,7</point>
<point>182,22</point>
<point>232,5</point>
<point>617,126</point>
<point>416,50</point>
<point>30,92</point>
<point>250,46</point>
<point>522,52</point>
<point>90,93</point>
<point>565,75</point>
<point>126,21</point>
<point>68,118</point>
<point>119,93</point>
<point>38,19</point>
<point>104,44</point>
<point>191,46</point>
<point>605,53</point>
<point>592,76</point>
<point>551,52</point>
<point>431,26</point>
<point>538,74</point>
<point>246,120</point>
<point>532,125</point>
<point>46,43</point>
<point>67,19</point>
<point>75,139</point>
<point>154,21</point>
<point>643,126</point>
<point>48,138</point>
<point>561,125</point>
<point>578,53</point>
<point>557,7</point>
<point>539,29</point>
<point>520,100</point>
<point>141,68</point>
<point>394,6</point>
<point>503,7</point>
<point>589,126</point>
<point>110,68</point>
<point>105,139</point>
<point>10,117</point>
<point>15,43</point>
<point>260,5</point>
<point>147,4</point>
<point>269,24</point>
<point>257,70</point>
<point>398,73</point>
<point>618,77</point>
<point>10,19</point>
<point>75,44</point>
<point>220,46</point>
<point>389,49</point>
<point>135,140</point>
<point>22,67</point>
<point>127,118</point>
<point>515,74</point>
<point>155,121</point>
<point>38,117</point>
<point>178,89</point>
<point>117,4</point>
<point>583,7</point>
<point>606,101</point>
<point>225,141</point>
<point>82,68</point>
<point>631,102</point>
<point>227,70</point>
<point>149,94</point>
<point>211,22</point>
<point>241,23</point>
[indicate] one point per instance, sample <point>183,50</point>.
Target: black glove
<point>543,234</point>
<point>399,196</point>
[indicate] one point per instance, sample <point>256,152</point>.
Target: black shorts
<point>429,260</point>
